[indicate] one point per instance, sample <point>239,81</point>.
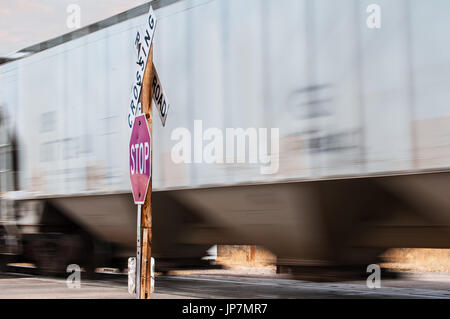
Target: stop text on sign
<point>140,154</point>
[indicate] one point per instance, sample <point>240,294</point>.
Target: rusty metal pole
<point>146,210</point>
<point>138,253</point>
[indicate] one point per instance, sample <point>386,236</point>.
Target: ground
<point>227,284</point>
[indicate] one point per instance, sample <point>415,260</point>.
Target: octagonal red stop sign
<point>140,159</point>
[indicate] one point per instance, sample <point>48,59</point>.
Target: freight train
<point>362,156</point>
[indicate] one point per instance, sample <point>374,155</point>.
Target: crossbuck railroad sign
<point>140,140</point>
<point>142,43</point>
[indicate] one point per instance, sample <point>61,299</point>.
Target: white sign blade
<point>143,42</point>
<point>160,97</point>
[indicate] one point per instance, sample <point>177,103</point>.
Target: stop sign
<point>140,159</point>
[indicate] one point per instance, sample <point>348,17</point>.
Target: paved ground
<point>226,286</point>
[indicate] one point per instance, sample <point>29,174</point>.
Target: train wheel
<point>98,256</point>
<point>49,259</point>
<point>4,259</point>
<point>51,254</point>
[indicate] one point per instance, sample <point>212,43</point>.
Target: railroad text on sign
<point>160,97</point>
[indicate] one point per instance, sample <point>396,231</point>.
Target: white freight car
<point>359,111</point>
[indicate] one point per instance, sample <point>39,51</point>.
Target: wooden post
<point>146,211</point>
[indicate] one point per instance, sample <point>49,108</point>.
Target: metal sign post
<point>138,254</point>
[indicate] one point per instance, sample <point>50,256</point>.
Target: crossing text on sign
<point>143,42</point>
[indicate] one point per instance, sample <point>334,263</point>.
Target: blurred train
<point>363,117</point>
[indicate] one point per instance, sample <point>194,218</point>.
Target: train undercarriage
<point>330,223</point>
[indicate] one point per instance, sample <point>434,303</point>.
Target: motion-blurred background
<point>363,116</point>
